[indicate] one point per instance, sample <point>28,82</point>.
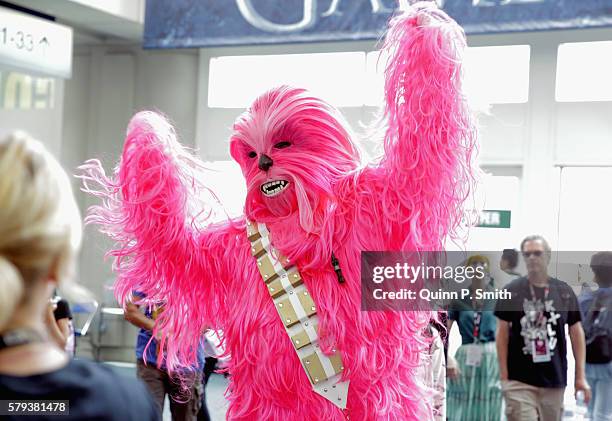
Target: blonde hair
<point>40,224</point>
<point>478,258</point>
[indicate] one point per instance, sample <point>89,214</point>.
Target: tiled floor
<point>216,402</point>
<point>217,385</point>
<point>215,389</point>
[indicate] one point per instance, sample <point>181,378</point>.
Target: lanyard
<point>477,309</point>
<point>477,320</point>
<point>534,298</point>
<point>533,295</point>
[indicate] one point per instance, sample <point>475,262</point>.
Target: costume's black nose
<point>265,162</point>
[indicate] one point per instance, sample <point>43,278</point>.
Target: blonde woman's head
<point>40,225</point>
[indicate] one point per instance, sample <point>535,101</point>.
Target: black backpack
<point>598,329</point>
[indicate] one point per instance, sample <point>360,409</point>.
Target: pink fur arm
<point>427,171</point>
<point>145,210</point>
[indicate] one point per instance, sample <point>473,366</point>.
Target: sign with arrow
<point>37,46</point>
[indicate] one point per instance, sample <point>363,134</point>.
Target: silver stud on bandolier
<point>281,277</point>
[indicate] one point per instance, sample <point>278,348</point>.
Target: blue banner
<point>205,23</point>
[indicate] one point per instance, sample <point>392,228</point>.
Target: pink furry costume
<point>329,203</point>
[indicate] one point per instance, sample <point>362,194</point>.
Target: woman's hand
<point>452,368</point>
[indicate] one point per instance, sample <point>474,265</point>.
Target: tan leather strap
<point>298,313</point>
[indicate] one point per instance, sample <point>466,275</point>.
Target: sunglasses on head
<point>536,253</point>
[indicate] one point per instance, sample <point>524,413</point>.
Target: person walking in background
<point>596,308</point>
<point>473,387</point>
<point>434,369</point>
<point>531,342</point>
<point>210,364</point>
<point>40,233</point>
<point>184,404</point>
<point>508,264</point>
<point>59,323</point>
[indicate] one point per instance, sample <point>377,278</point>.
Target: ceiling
<point>95,21</point>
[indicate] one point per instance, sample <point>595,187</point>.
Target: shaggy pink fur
<point>411,199</point>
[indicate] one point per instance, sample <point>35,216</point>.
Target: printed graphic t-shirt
<point>560,308</point>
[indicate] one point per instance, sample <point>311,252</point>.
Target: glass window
<point>235,81</point>
<point>497,74</point>
<point>493,75</point>
<point>225,179</point>
<point>583,71</point>
<point>585,209</point>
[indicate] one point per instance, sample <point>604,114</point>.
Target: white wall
<point>126,9</point>
<point>110,84</point>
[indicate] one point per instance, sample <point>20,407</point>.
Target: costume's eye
<point>282,145</point>
<point>252,154</point>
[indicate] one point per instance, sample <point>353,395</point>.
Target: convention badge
<point>474,355</point>
<point>540,351</point>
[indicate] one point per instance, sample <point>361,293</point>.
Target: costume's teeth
<point>271,188</point>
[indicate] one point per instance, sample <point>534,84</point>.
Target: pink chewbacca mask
<point>292,149</point>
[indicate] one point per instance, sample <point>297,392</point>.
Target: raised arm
<point>158,251</point>
<point>427,170</point>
